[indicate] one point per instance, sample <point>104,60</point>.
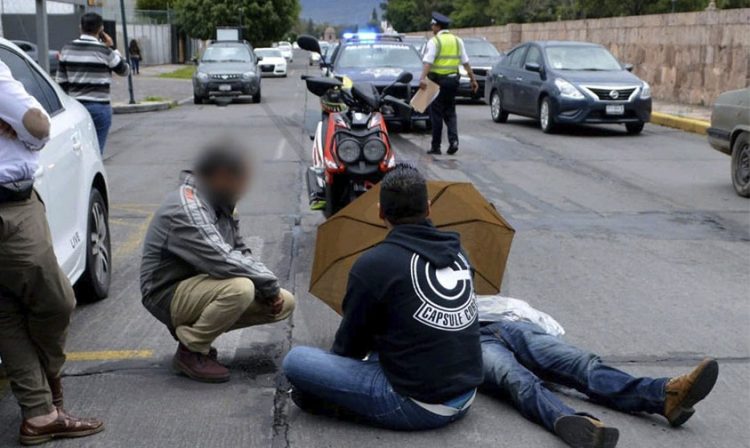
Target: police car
<point>379,59</point>
<point>71,180</point>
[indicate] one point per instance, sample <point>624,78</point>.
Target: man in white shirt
<point>443,55</point>
<point>36,298</point>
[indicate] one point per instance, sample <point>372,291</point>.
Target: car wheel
<point>496,108</point>
<point>197,99</point>
<point>741,165</point>
<point>257,97</point>
<point>635,128</point>
<point>94,283</point>
<point>546,117</point>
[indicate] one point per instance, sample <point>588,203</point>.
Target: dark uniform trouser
<point>443,108</point>
<point>36,302</point>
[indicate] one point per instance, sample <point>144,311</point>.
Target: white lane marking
<point>280,149</point>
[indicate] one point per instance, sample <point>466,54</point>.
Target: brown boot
<point>683,392</point>
<point>64,427</point>
<point>580,431</point>
<point>55,386</point>
<point>199,367</point>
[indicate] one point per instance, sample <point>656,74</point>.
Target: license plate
<point>615,109</point>
<point>228,88</point>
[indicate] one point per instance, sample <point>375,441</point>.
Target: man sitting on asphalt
<point>406,355</point>
<point>517,351</point>
<point>197,275</point>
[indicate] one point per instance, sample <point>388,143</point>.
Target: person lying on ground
<point>520,345</point>
<point>197,275</point>
<point>409,305</point>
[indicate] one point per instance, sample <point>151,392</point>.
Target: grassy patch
<point>154,99</point>
<point>181,73</point>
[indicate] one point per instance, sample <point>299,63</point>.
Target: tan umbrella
<point>456,206</point>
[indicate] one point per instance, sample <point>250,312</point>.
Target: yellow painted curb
<point>109,355</point>
<point>682,123</point>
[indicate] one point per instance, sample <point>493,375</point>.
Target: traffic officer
<point>36,299</point>
<point>443,55</point>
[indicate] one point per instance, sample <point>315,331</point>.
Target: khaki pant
<point>36,302</point>
<point>204,308</point>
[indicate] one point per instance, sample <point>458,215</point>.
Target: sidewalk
<point>148,84</point>
<point>683,110</point>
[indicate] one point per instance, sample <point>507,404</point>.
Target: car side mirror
<point>533,67</point>
<point>628,67</point>
<point>194,60</point>
<point>405,78</point>
<point>309,43</point>
<point>260,58</point>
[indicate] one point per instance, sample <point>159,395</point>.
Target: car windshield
<point>226,54</point>
<point>268,53</point>
<point>582,58</point>
<point>480,49</point>
<point>378,55</point>
<point>285,45</point>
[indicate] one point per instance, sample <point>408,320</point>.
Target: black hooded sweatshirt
<point>411,300</point>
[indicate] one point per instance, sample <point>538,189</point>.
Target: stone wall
<point>687,57</point>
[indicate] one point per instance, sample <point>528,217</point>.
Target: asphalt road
<point>637,245</point>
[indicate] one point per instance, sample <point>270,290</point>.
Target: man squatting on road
<point>198,276</point>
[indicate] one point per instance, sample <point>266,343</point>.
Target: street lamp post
<point>674,5</point>
<point>126,44</point>
<point>42,35</point>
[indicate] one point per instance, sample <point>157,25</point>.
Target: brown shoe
<point>580,431</point>
<point>683,392</point>
<point>55,386</point>
<point>64,427</point>
<point>198,366</point>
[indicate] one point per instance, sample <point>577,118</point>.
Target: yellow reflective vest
<point>447,54</point>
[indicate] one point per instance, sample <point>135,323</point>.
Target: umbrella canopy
<point>456,206</point>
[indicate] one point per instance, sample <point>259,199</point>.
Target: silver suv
<point>227,68</point>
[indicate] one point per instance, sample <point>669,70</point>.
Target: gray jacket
<point>188,237</point>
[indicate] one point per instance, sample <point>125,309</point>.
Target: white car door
<point>60,170</point>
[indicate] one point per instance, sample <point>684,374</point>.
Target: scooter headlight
<point>374,150</point>
<point>348,150</point>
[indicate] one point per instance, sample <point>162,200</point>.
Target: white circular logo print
<point>447,294</point>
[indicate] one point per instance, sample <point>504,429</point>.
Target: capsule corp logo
<point>447,294</point>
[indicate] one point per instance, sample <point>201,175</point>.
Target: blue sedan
<point>561,82</point>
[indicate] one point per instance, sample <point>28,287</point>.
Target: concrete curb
<point>154,106</point>
<point>682,123</point>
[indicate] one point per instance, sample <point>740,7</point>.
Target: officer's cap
<point>440,19</point>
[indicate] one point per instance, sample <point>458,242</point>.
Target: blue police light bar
<point>367,36</point>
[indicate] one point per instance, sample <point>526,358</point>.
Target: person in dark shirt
<point>407,354</point>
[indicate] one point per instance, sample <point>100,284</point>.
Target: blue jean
<point>101,113</point>
<point>359,387</point>
<point>518,356</point>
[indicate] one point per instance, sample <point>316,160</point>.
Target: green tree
<point>153,5</point>
<point>471,13</point>
<point>414,15</point>
<point>374,22</point>
<point>264,21</point>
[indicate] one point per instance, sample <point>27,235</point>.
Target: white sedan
<point>286,50</point>
<point>271,62</point>
<point>71,181</point>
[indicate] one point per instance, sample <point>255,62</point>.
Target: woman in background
<point>135,56</point>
